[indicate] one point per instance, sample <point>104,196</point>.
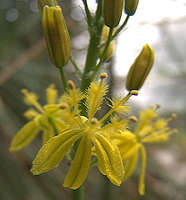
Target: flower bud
<point>131,6</point>
<point>111,47</point>
<point>109,51</point>
<point>56,35</point>
<point>140,69</point>
<point>112,11</point>
<point>42,3</point>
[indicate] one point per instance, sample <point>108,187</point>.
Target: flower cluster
<point>109,142</point>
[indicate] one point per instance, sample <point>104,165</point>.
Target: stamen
<point>133,119</point>
<point>134,92</point>
<point>103,75</point>
<point>94,121</point>
<point>71,85</point>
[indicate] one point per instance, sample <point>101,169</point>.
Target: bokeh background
<point>24,63</point>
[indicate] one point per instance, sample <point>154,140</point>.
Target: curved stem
<point>78,194</point>
<point>75,66</point>
<point>88,14</point>
<point>63,79</point>
<point>121,27</point>
<point>125,99</point>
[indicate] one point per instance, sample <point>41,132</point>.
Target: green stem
<point>78,194</point>
<point>103,54</point>
<point>125,99</point>
<point>106,189</point>
<point>75,66</point>
<point>92,56</point>
<point>53,125</point>
<point>121,27</point>
<point>88,14</point>
<point>63,79</point>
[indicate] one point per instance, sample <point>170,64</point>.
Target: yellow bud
<point>140,69</point>
<point>112,11</point>
<point>42,3</point>
<point>56,35</point>
<point>131,6</point>
<point>105,33</point>
<point>109,51</point>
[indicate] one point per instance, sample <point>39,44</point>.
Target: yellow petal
<point>155,138</point>
<point>141,188</point>
<point>131,151</point>
<point>24,136</point>
<point>131,165</point>
<point>109,155</point>
<point>51,94</point>
<point>80,165</point>
<point>31,113</point>
<point>46,135</point>
<point>95,95</point>
<point>51,153</point>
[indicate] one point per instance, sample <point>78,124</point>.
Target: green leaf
<point>51,153</point>
<point>24,136</point>
<point>109,159</point>
<point>80,165</point>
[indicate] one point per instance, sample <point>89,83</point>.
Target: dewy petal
<point>25,136</point>
<point>131,165</point>
<point>109,155</point>
<point>80,165</point>
<point>51,153</point>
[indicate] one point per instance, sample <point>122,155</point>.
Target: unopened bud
<point>109,51</point>
<point>131,6</point>
<point>42,3</point>
<point>140,69</point>
<point>56,35</point>
<point>112,11</point>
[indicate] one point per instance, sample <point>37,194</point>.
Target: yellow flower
<point>45,119</point>
<point>87,134</point>
<point>131,144</point>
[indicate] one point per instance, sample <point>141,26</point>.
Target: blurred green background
<point>24,63</point>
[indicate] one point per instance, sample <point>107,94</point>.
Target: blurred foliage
<point>19,36</point>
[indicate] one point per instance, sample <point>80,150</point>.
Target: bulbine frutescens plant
<point>68,122</point>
